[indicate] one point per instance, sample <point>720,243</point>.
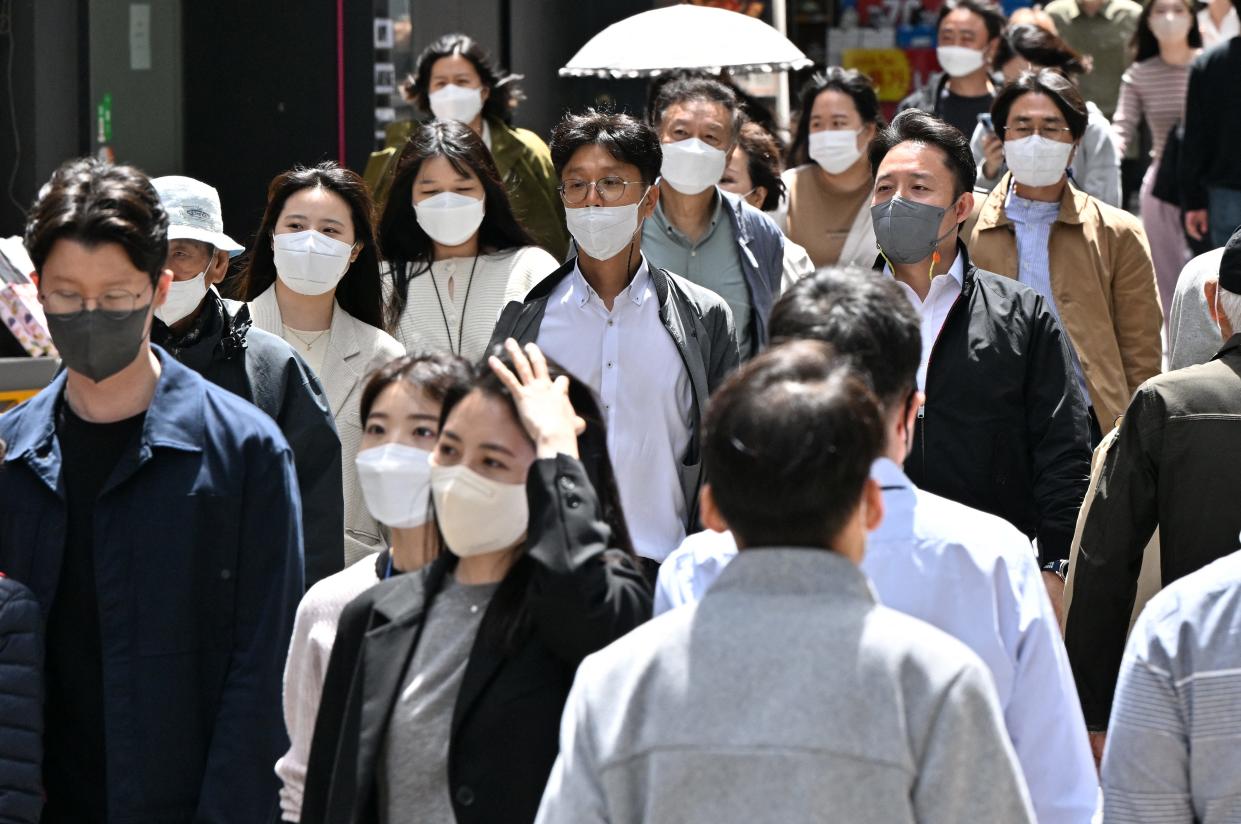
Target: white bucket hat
<point>194,212</point>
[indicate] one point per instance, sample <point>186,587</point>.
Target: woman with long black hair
<point>455,255</point>
<point>312,278</point>
<point>443,696</point>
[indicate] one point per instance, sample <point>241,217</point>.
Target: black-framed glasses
<point>117,304</point>
<point>610,189</point>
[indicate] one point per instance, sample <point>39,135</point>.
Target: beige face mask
<point>477,515</point>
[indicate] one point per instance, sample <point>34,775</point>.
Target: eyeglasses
<point>1049,132</point>
<point>116,304</point>
<point>610,189</point>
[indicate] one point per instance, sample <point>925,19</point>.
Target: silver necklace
<point>309,344</point>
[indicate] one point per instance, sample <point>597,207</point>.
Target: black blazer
<point>579,596</point>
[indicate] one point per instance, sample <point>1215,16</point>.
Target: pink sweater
<point>1153,90</point>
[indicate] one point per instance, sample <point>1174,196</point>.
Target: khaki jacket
<point>1103,283</point>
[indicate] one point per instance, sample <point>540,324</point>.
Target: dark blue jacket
<point>198,568</point>
<point>21,705</point>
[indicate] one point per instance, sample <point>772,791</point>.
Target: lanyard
<point>464,304</point>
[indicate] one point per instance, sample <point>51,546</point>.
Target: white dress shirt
<point>1228,28</point>
<point>631,362</point>
<point>974,576</point>
<point>944,291</point>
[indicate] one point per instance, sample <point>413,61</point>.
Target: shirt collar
<point>636,290</point>
<point>666,227</point>
<point>486,135</point>
<point>889,475</point>
<point>957,270</point>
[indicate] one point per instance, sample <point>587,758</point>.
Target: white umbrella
<point>685,37</point>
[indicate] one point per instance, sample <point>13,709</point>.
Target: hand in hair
<point>542,403</point>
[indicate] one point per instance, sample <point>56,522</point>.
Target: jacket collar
<point>174,419</point>
<point>1073,205</point>
<point>968,269</point>
<point>505,147</point>
<point>220,335</point>
<point>343,345</point>
<point>792,571</point>
<point>1230,346</point>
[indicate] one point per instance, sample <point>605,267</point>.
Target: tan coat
<point>1103,283</point>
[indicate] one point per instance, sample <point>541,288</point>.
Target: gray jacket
<point>701,325</point>
<point>760,248</point>
<point>787,694</point>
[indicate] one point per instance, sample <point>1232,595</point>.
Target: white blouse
<point>454,307</point>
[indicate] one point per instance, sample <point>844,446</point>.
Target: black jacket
<point>699,323</point>
<point>227,350</point>
<point>21,705</point>
<point>1212,122</point>
<point>1173,466</point>
<point>580,596</point>
<point>1004,428</point>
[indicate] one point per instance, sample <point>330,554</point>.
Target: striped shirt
<point>1033,220</point>
<point>1155,91</point>
<point>1175,736</point>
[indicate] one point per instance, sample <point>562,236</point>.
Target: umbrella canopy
<point>685,37</point>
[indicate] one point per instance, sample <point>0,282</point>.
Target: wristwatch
<point>1061,568</point>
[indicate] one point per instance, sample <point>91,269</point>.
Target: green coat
<point>525,166</point>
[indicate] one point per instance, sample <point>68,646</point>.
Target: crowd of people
<point>661,472</point>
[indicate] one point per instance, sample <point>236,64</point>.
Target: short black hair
<point>915,126</point>
<point>626,138</point>
<point>846,81</point>
<point>865,318</point>
<point>688,87</point>
<point>438,374</point>
<point>762,152</point>
<point>94,202</point>
<point>1040,47</point>
<point>788,442</point>
<point>992,17</point>
<point>1049,82</point>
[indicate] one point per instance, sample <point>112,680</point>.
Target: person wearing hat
<point>216,338</point>
<point>1173,467</point>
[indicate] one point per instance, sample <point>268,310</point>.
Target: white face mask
<point>310,262</point>
<point>1170,27</point>
<point>603,232</point>
<point>835,150</point>
<point>691,166</point>
<point>450,219</point>
<point>184,296</point>
<point>456,103</point>
<point>396,484</point>
<point>475,514</point>
<point>1037,161</point>
<point>959,61</point>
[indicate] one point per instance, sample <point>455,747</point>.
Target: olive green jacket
<point>525,166</point>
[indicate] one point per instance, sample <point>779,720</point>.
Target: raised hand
<point>542,403</point>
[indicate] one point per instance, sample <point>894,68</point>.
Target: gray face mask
<point>96,345</point>
<point>907,232</point>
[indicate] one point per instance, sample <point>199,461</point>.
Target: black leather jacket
<point>227,350</point>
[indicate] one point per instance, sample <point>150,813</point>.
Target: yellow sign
<point>888,68</point>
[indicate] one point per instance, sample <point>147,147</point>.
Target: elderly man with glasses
<point>651,344</point>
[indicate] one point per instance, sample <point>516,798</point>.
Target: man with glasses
<point>156,518</point>
<point>1089,261</point>
<point>652,345</point>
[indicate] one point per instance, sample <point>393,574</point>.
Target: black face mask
<point>96,345</point>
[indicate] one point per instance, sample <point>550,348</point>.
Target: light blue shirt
<point>1174,741</point>
<point>974,576</point>
<point>1033,220</point>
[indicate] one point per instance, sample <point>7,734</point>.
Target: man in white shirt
<point>968,573</point>
<point>652,345</point>
<point>787,694</point>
